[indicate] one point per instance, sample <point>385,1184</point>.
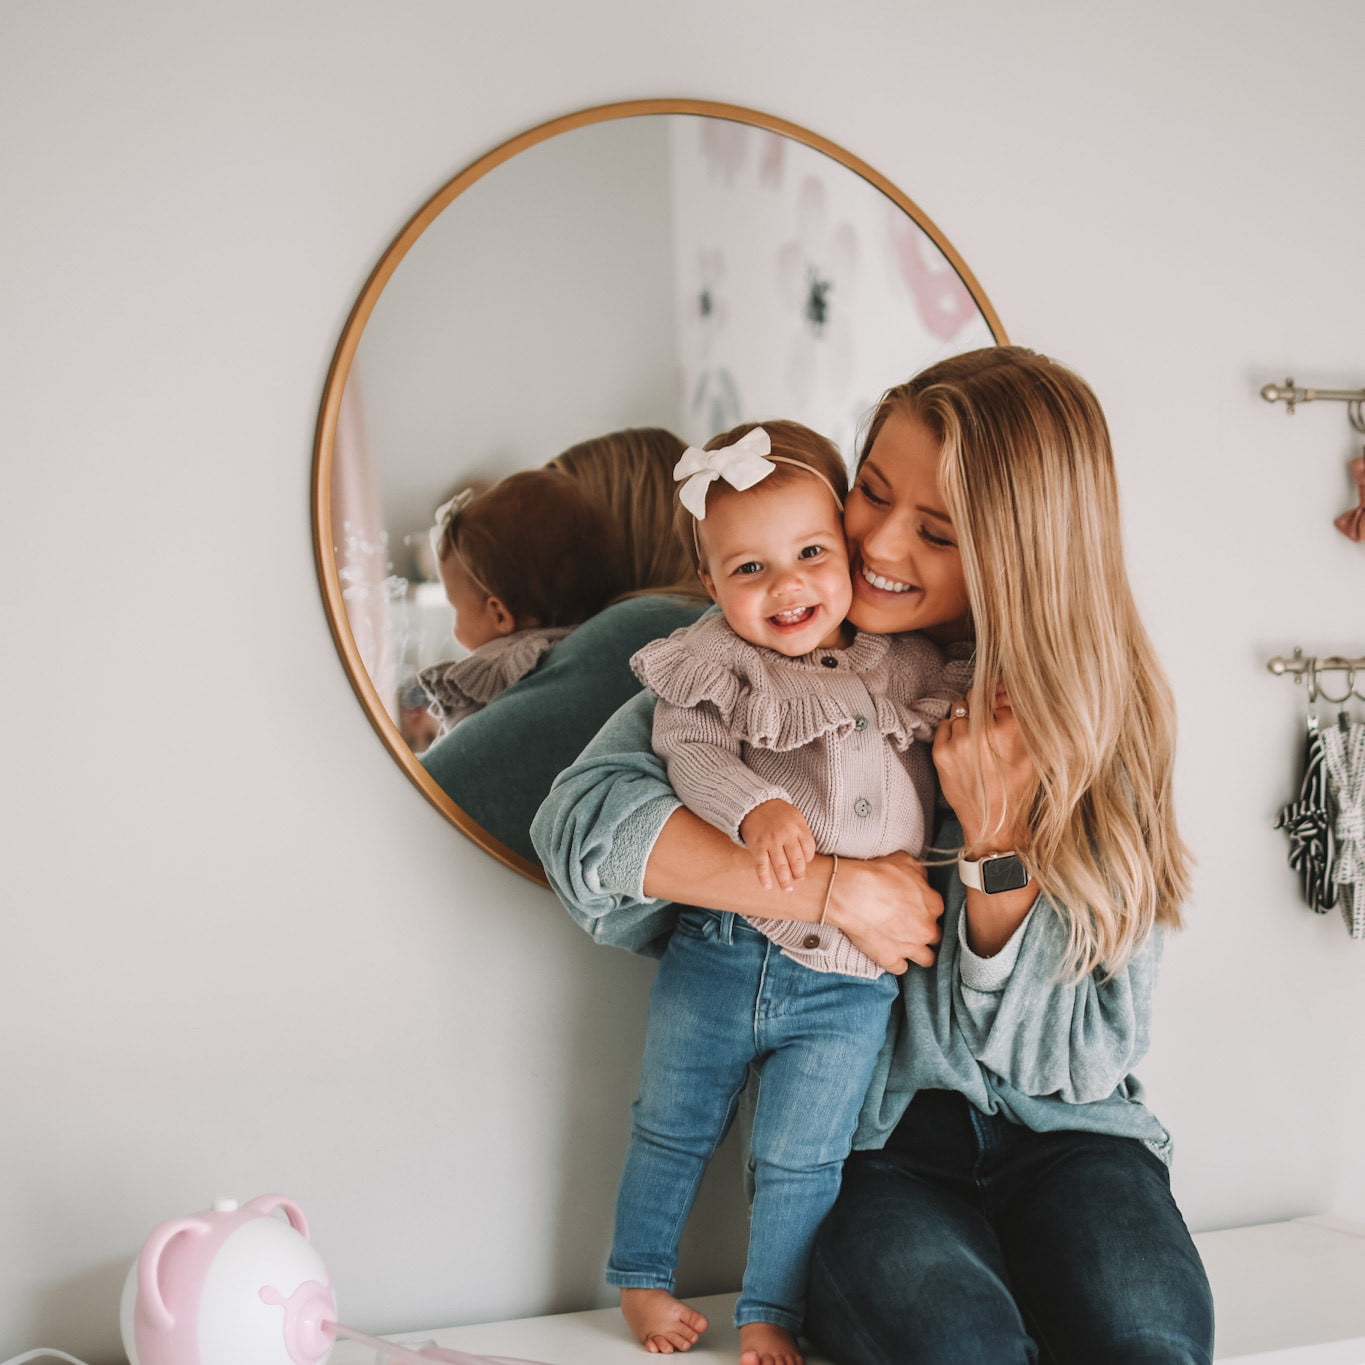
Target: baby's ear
<point>708,583</point>
<point>504,623</point>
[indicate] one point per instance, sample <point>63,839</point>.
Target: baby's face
<point>776,564</point>
<point>474,621</point>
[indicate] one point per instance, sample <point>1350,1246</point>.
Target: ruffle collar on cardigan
<point>457,689</point>
<point>775,702</point>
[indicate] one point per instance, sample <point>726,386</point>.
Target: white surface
<point>206,847</point>
<point>1284,1293</point>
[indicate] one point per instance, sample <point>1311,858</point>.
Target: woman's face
<point>907,569</point>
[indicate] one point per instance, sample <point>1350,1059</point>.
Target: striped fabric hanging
<point>1343,748</point>
<point>1308,822</point>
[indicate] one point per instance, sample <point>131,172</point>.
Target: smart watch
<point>993,873</point>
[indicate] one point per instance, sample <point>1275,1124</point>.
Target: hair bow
<point>1352,523</point>
<point>445,514</point>
<point>741,465</point>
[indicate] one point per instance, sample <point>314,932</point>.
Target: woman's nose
<point>888,542</point>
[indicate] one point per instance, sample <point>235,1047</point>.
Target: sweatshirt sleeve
<point>596,829</point>
<point>1043,1033</point>
<point>705,768</point>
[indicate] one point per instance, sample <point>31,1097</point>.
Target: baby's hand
<point>777,835</point>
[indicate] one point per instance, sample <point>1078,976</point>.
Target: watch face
<point>1003,874</point>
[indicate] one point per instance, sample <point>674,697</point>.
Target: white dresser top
<point>1285,1294</point>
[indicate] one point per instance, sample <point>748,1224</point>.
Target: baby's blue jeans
<point>725,996</point>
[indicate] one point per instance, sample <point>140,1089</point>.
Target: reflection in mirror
<point>638,267</point>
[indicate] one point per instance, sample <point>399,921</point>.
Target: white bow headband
<point>445,514</point>
<point>742,464</point>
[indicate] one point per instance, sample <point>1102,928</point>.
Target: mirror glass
<point>661,264</point>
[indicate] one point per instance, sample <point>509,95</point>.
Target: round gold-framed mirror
<point>665,263</point>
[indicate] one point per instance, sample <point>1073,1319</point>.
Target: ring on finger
<point>959,711</point>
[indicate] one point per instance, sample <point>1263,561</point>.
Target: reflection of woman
<point>1010,1192</point>
<point>498,763</point>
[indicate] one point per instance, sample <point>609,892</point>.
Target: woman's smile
<point>881,582</point>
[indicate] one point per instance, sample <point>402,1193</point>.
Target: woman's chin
<point>885,613</point>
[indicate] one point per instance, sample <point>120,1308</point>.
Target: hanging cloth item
<point>1343,747</point>
<point>1308,822</point>
<point>1352,524</point>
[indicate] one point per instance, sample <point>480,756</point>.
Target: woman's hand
<point>988,779</point>
<point>778,837</point>
<point>888,910</point>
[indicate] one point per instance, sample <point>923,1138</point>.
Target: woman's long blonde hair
<point>631,471</point>
<point>1027,475</point>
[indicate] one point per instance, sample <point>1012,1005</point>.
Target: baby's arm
<point>706,770</point>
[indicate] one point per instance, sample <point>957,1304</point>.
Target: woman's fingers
<point>888,909</point>
<point>985,773</point>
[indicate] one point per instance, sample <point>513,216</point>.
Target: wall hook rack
<point>1291,394</point>
<point>1312,667</point>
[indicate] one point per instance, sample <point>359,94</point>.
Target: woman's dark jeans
<point>969,1239</point>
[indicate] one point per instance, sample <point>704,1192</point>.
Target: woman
<point>1008,1197</point>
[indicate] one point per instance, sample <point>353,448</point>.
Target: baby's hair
<point>551,553</point>
<point>790,442</point>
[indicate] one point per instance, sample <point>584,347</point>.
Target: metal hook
<point>1337,665</point>
<point>1356,412</point>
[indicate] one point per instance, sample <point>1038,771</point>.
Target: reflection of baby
<point>794,733</point>
<point>522,563</point>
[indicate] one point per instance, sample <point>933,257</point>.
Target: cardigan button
<point>860,723</point>
<point>811,941</point>
<point>863,806</point>
<point>830,661</point>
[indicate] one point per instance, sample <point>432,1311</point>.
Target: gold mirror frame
<point>325,440</point>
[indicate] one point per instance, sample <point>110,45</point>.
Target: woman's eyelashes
<point>876,499</point>
<point>879,499</point>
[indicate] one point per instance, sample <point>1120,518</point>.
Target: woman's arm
<point>885,906</point>
<point>1077,1040</point>
<point>618,846</point>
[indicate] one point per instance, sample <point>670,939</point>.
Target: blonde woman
<point>1008,1196</point>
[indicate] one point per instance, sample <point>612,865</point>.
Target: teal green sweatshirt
<point>497,764</point>
<point>1008,1032</point>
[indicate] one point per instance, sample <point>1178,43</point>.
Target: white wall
<point>242,953</point>
<point>439,408</point>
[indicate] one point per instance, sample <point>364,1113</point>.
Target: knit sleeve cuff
<point>988,974</point>
<point>632,841</point>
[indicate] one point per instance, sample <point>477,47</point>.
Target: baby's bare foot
<point>662,1323</point>
<point>764,1343</point>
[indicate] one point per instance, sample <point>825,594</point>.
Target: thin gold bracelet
<point>829,890</point>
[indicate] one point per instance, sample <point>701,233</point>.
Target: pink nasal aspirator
<point>236,1285</point>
